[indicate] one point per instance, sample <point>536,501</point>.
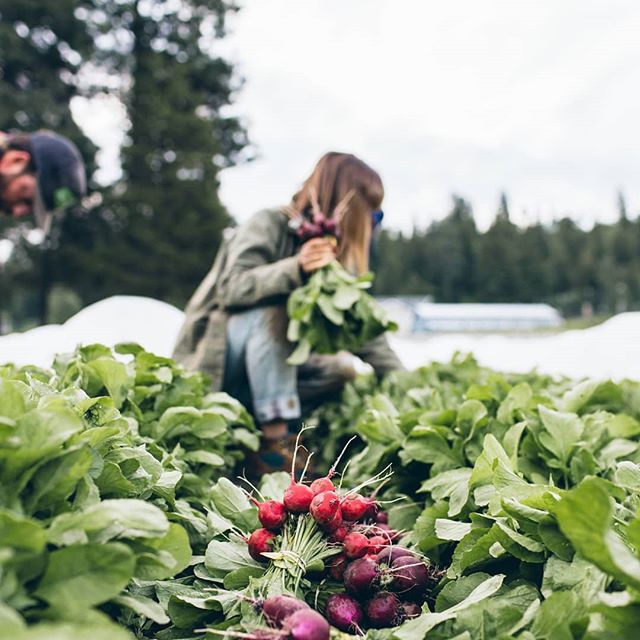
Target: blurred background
<point>505,133</point>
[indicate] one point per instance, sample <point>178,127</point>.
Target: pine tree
<point>499,265</point>
<point>166,218</point>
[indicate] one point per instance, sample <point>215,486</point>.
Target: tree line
<point>576,270</point>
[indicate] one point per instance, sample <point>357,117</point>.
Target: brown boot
<point>276,451</point>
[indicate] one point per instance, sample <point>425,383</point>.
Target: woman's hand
<point>316,253</point>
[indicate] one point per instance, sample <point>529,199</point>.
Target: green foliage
<point>107,467</point>
<point>524,488</point>
<point>332,312</point>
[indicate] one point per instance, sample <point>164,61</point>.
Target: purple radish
<point>277,608</point>
<point>410,577</point>
<point>306,624</point>
<point>383,610</point>
<point>361,576</point>
<point>344,612</point>
<point>410,610</point>
<point>391,553</point>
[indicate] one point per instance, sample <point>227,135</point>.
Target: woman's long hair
<point>344,187</point>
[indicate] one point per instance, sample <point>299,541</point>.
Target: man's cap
<point>61,175</point>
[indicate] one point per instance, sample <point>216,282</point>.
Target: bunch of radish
<point>384,583</point>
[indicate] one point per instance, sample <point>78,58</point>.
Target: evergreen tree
<point>499,259</point>
<point>165,218</point>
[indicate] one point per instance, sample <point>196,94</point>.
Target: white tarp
<point>611,349</point>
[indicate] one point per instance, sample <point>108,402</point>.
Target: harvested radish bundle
<point>332,312</point>
<point>334,548</point>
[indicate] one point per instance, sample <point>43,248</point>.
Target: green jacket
<point>257,265</point>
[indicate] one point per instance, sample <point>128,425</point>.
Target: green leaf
<point>143,606</point>
<point>21,532</point>
<point>556,614</point>
<point>420,626</point>
<point>483,468</point>
<point>345,297</point>
<point>585,515</point>
<point>117,377</point>
<point>233,504</point>
<point>518,400</point>
<point>205,457</point>
<point>83,576</point>
<point>56,480</point>
<point>563,431</point>
<point>456,591</point>
<point>74,631</point>
<point>452,484</point>
<point>301,353</point>
<point>223,557</point>
<point>273,485</point>
<point>108,520</point>
<point>39,433</point>
<point>164,557</point>
<point>519,545</point>
<point>451,530</point>
<point>330,311</point>
<point>240,578</point>
<point>560,575</point>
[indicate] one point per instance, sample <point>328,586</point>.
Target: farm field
<point>468,504</point>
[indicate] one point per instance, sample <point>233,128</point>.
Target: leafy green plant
<point>106,477</point>
<point>333,312</point>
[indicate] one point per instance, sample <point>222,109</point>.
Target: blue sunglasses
<point>376,217</point>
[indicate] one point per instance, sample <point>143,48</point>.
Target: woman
<point>235,328</point>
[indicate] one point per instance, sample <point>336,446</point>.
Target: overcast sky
<point>539,98</point>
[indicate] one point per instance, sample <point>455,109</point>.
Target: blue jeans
<point>257,374</point>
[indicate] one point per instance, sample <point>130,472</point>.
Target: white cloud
<point>535,97</point>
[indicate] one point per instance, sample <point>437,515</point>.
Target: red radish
<point>377,544</point>
<point>320,485</point>
<point>390,553</point>
<point>325,484</point>
<point>260,541</point>
<point>340,533</point>
<point>354,507</point>
<point>385,530</point>
<point>271,513</point>
<point>344,612</point>
<point>277,608</point>
<point>324,507</point>
<point>330,226</point>
<point>337,566</point>
<point>383,610</point>
<point>361,576</point>
<point>410,576</point>
<point>355,545</point>
<point>372,509</point>
<point>382,518</point>
<point>334,524</point>
<point>410,610</point>
<point>297,497</point>
<point>306,624</point>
